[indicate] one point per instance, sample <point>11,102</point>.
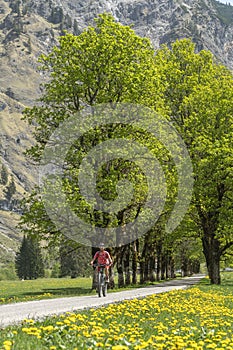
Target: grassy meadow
<point>43,288</point>
<point>200,317</point>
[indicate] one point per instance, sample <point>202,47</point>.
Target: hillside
<point>29,28</point>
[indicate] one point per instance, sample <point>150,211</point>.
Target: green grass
<point>43,288</point>
<point>226,286</point>
<point>197,318</point>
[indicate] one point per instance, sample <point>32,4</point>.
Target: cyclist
<point>103,258</point>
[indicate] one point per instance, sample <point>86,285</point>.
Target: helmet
<point>101,245</point>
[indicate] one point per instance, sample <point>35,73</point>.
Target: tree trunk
<point>142,263</point>
<point>94,279</point>
<point>169,265</point>
<point>168,274</point>
<point>184,265</point>
<point>152,269</point>
<point>126,264</point>
<point>196,266</point>
<point>214,271</point>
<point>211,245</point>
<point>111,284</point>
<point>119,266</point>
<point>211,249</point>
<point>158,266</point>
<point>94,276</point>
<point>163,266</point>
<point>146,270</point>
<point>173,275</point>
<point>145,258</point>
<point>135,261</point>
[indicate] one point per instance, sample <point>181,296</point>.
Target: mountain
<point>29,28</point>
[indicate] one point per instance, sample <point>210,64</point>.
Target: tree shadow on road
<point>67,291</point>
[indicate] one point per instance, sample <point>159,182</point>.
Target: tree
<point>105,63</point>
<point>28,262</point>
<point>4,175</point>
<point>10,190</point>
<point>74,259</point>
<point>200,96</point>
<point>21,260</point>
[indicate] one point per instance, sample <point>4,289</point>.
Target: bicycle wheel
<point>104,287</point>
<point>99,286</point>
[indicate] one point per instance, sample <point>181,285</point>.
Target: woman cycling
<point>103,258</point>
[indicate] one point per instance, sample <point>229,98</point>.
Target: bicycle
<point>102,285</point>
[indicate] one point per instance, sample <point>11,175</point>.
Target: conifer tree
<point>29,262</point>
<point>4,175</point>
<point>10,190</point>
<point>21,260</point>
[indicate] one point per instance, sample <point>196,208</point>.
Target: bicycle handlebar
<point>101,265</point>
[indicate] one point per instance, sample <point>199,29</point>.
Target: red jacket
<point>103,258</point>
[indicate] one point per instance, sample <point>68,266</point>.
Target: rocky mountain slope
<point>29,28</point>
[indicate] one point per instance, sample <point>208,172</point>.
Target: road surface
<point>39,309</point>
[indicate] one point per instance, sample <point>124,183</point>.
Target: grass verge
<point>45,288</point>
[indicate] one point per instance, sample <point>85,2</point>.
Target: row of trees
<point>109,63</point>
<point>32,261</point>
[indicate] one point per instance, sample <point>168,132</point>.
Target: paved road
<point>14,313</point>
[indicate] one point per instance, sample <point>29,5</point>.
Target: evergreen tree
<point>21,260</point>
<point>29,263</point>
<point>36,259</point>
<point>74,260</point>
<point>10,190</point>
<point>4,175</point>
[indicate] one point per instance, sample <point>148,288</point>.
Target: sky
<point>226,1</point>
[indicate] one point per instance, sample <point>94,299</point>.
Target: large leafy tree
<point>200,97</point>
<point>105,63</point>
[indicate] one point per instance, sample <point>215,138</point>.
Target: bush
<point>8,273</point>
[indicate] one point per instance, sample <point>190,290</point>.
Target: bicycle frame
<point>101,281</point>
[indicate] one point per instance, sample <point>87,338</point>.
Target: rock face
<point>208,22</point>
<point>29,28</point>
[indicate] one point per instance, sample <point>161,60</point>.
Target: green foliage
<point>74,260</point>
<point>4,175</point>
<point>109,63</point>
<point>10,189</point>
<point>224,12</point>
<point>28,261</point>
<point>105,63</point>
<point>55,273</point>
<point>8,272</point>
<point>35,220</point>
<point>200,97</point>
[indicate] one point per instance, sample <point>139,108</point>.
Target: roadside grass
<point>43,288</point>
<point>46,288</point>
<point>225,288</point>
<point>200,317</point>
